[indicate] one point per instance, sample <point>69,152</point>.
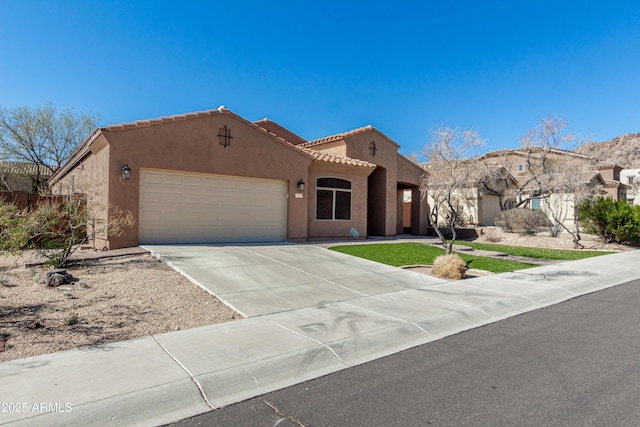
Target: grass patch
<point>544,253</point>
<point>399,254</point>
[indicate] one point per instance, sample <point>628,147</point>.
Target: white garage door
<point>182,207</point>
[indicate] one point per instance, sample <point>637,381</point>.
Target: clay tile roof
<point>278,130</point>
<point>324,157</point>
<point>167,119</point>
<point>23,168</point>
<point>338,136</point>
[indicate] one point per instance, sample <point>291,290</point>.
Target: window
<point>630,180</point>
<point>333,199</point>
<point>520,168</point>
<point>535,204</point>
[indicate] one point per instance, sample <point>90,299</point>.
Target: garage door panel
<point>185,207</point>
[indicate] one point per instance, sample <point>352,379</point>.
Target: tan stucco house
<point>213,176</point>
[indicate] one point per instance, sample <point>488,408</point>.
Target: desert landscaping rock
<point>115,299</point>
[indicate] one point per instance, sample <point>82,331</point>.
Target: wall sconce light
<point>300,185</point>
<point>126,172</point>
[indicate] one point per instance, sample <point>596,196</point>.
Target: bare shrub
<point>522,221</point>
<point>449,267</point>
<point>492,235</point>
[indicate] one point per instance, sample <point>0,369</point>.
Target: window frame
<point>536,204</point>
<point>334,198</point>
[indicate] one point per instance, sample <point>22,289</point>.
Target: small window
<point>630,180</point>
<point>333,199</point>
<point>520,168</point>
<point>535,204</point>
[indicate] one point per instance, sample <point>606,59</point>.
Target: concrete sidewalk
<point>159,379</point>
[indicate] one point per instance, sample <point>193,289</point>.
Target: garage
<point>184,207</point>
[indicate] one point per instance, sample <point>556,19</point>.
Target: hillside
<point>623,150</point>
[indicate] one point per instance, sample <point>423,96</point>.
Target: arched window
<point>333,199</point>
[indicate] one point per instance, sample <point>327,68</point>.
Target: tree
<point>547,175</point>
<point>560,180</point>
<point>56,228</point>
<point>613,221</point>
<point>447,180</point>
<point>494,178</point>
<point>42,136</point>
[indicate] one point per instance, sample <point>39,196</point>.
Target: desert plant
<point>73,318</point>
<point>449,266</point>
<point>446,183</point>
<point>523,221</point>
<point>614,221</point>
<point>493,235</point>
<point>57,229</point>
<point>14,233</point>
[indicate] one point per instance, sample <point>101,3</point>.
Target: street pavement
<point>572,364</point>
<point>167,377</point>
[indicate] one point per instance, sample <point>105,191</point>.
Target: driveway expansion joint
<point>193,378</point>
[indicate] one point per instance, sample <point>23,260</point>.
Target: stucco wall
<point>193,145</point>
<point>385,156</point>
<point>90,177</point>
<point>490,209</point>
<point>324,229</point>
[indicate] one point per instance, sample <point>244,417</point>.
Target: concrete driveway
<point>270,278</point>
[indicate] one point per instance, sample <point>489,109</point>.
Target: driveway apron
<point>269,278</point>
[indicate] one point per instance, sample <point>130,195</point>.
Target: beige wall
<point>192,145</point>
<point>386,157</point>
<point>336,148</point>
<point>324,229</point>
<point>90,177</point>
<point>489,209</point>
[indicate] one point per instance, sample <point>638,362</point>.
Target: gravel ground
<point>114,299</point>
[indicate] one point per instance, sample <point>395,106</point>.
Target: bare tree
<point>447,181</point>
<point>560,180</point>
<point>42,135</point>
<point>495,179</point>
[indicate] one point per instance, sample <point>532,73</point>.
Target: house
<point>213,176</point>
<point>21,182</point>
<point>484,190</point>
<point>631,178</point>
<point>548,178</point>
<point>22,176</point>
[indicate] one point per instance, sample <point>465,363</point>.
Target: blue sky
<point>319,68</point>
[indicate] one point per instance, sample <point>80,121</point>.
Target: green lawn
<point>399,254</point>
<point>560,254</point>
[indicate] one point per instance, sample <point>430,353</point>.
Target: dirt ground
<point>120,298</point>
<point>113,299</point>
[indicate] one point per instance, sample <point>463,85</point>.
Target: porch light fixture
<point>300,185</point>
<point>126,172</point>
<point>372,148</point>
<point>224,136</point>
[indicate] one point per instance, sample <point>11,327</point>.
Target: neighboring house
<point>22,176</point>
<point>631,178</point>
<point>485,193</point>
<point>550,194</point>
<point>213,176</point>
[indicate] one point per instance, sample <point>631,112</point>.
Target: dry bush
<point>524,221</point>
<point>493,235</point>
<point>449,267</point>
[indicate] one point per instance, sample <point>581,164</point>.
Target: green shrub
<point>14,232</point>
<point>613,221</point>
